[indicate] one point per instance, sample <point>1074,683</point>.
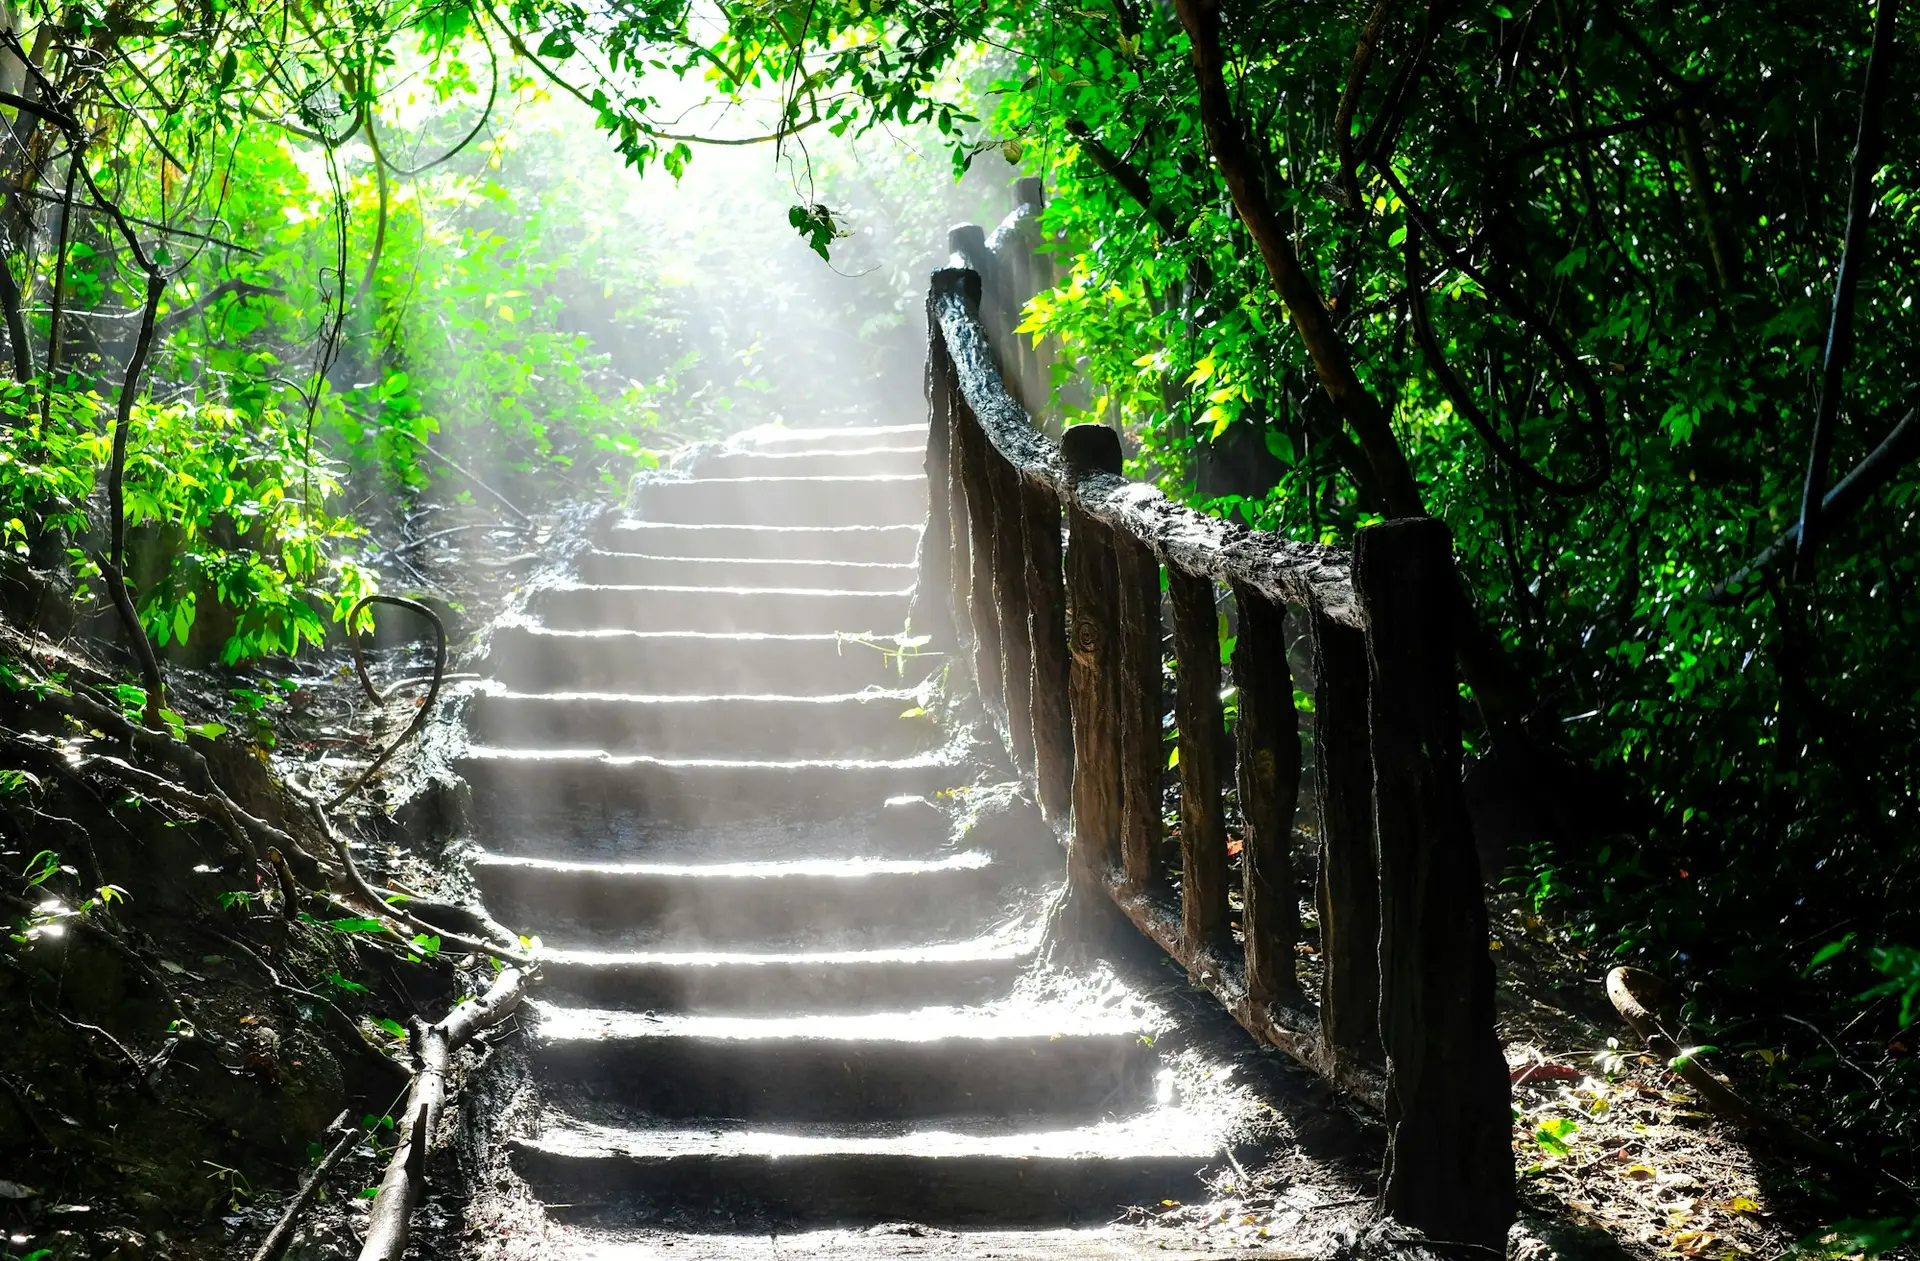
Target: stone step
<point>736,982</point>
<point>791,611</point>
<point>718,903</point>
<point>576,790</point>
<point>536,659</point>
<point>910,829</point>
<point>844,438</point>
<point>952,1172</point>
<point>867,544</point>
<point>870,724</point>
<point>926,1062</point>
<point>899,459</point>
<point>875,499</point>
<point>640,569</point>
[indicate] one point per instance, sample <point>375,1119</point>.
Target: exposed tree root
<point>433,1048</point>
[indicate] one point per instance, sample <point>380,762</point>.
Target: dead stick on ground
<point>1639,997</point>
<point>405,1180</point>
<point>282,1233</point>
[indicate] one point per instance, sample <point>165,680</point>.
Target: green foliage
<point>1901,966</point>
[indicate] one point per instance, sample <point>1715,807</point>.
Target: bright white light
<point>1163,1087</point>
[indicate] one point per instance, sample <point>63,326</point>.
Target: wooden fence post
<point>1268,774</point>
<point>1203,824</point>
<point>960,545</point>
<point>1095,641</point>
<point>979,496</point>
<point>1010,599</point>
<point>932,611</point>
<point>1348,892</point>
<point>1449,1146</point>
<point>1142,744</point>
<point>1047,609</point>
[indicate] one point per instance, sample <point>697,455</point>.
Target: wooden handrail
<point>1278,568</point>
<point>1066,648</point>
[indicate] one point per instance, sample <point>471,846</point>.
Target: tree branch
<point>114,568</point>
<point>1866,160</point>
<point>1897,450</point>
<point>1332,359</point>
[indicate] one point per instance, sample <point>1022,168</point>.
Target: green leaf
<point>1832,950</point>
<point>1553,1133</point>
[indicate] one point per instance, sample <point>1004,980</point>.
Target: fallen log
<point>434,1046</point>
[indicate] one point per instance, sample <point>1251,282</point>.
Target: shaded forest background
<point>1562,273</point>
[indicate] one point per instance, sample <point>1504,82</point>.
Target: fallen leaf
<point>1642,1173</point>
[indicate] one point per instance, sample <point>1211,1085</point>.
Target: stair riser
<point>889,458</point>
<point>789,612</point>
<point>710,727</point>
<point>880,545</point>
<point>693,912</point>
<point>857,1189</point>
<point>780,987</point>
<point>631,569</point>
<point>668,665</point>
<point>786,501</point>
<point>822,1080</point>
<point>589,795</point>
<point>796,441</point>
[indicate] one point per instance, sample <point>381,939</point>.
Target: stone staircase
<point>777,990</point>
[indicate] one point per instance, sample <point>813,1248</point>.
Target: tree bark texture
<point>1449,1155</point>
<point>1203,825</point>
<point>1268,774</point>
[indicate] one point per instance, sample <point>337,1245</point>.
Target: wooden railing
<point>1066,646</point>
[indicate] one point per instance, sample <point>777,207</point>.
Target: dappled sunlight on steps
<point>776,990</point>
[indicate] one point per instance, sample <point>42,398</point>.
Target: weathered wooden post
<point>1095,640</point>
<point>1203,823</point>
<point>1349,892</point>
<point>971,463</point>
<point>1047,611</point>
<point>1137,573</point>
<point>1268,774</point>
<point>1010,599</point>
<point>1449,1147</point>
<point>932,610</point>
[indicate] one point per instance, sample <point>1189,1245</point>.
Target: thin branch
<point>245,288</point>
<point>282,1233</point>
<point>1897,450</point>
<point>1594,423</point>
<point>1350,100</point>
<point>114,568</point>
<point>360,667</point>
<point>1462,398</point>
<point>1866,160</point>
